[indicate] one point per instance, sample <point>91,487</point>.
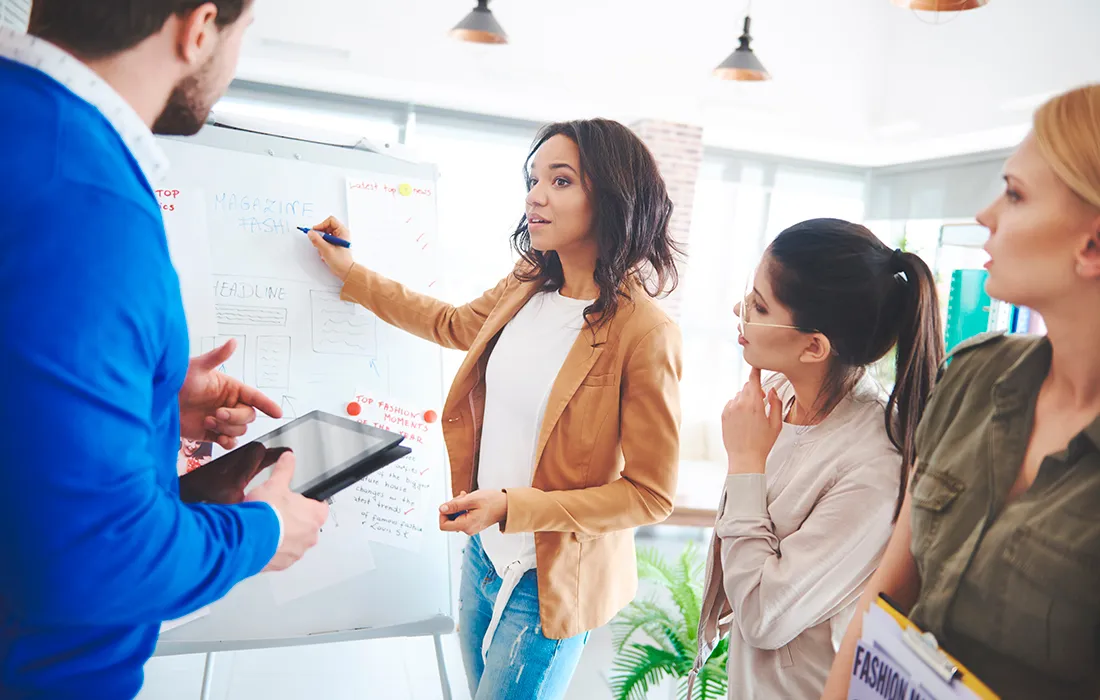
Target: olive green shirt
<point>1012,591</point>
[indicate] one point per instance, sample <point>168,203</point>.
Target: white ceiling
<point>854,81</point>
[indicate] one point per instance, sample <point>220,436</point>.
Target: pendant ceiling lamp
<point>940,5</point>
<point>480,27</point>
<point>742,64</point>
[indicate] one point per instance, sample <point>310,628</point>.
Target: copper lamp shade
<point>480,27</point>
<point>941,5</point>
<point>742,64</point>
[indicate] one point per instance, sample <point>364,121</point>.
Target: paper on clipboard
<point>877,675</point>
<point>887,667</point>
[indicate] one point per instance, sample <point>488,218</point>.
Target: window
<point>480,202</point>
<point>724,246</point>
<point>799,195</point>
<point>740,205</point>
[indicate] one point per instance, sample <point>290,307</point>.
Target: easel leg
<point>444,682</point>
<point>207,677</point>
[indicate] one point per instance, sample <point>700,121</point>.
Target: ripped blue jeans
<point>522,663</point>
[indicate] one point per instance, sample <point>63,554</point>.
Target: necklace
<point>799,430</point>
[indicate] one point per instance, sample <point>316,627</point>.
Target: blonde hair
<point>1067,129</point>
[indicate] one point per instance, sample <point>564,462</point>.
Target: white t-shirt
<point>522,368</point>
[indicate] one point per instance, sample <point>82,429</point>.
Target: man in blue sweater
<point>96,388</point>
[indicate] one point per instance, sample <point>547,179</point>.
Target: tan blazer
<point>608,452</point>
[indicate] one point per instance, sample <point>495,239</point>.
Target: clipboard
<point>896,659</point>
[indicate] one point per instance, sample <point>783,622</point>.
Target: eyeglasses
<point>742,313</point>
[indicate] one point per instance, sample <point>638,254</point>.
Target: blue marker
<point>329,238</point>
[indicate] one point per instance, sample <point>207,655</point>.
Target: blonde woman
<point>997,551</point>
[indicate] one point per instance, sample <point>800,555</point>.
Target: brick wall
<point>678,149</point>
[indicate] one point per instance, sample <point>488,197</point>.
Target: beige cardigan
<point>794,547</point>
<point>608,451</point>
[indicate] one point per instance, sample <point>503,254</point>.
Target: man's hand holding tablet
<point>336,453</point>
<point>224,481</point>
<point>301,517</point>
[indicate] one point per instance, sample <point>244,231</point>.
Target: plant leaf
<point>637,669</point>
<point>639,615</point>
<point>653,567</point>
<point>685,589</point>
<point>672,631</point>
<point>712,680</point>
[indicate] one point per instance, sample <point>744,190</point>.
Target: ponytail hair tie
<point>897,261</point>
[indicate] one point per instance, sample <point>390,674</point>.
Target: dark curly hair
<point>631,211</point>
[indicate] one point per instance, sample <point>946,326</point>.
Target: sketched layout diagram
<point>234,366</point>
<point>250,316</point>
<point>342,328</point>
<point>273,361</point>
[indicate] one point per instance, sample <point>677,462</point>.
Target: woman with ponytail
<point>997,548</point>
<point>818,454</point>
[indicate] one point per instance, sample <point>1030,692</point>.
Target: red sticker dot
<point>354,408</point>
<point>430,416</point>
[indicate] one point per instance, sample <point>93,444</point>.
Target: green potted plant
<point>654,641</point>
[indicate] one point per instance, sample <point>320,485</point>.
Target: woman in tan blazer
<point>562,425</point>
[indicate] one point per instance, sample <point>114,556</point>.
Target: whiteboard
<point>15,14</point>
<point>231,204</point>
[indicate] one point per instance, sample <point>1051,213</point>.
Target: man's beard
<point>188,106</point>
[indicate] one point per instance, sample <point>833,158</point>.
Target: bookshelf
<point>959,269</point>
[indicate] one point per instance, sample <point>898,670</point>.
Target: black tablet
<point>331,453</point>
